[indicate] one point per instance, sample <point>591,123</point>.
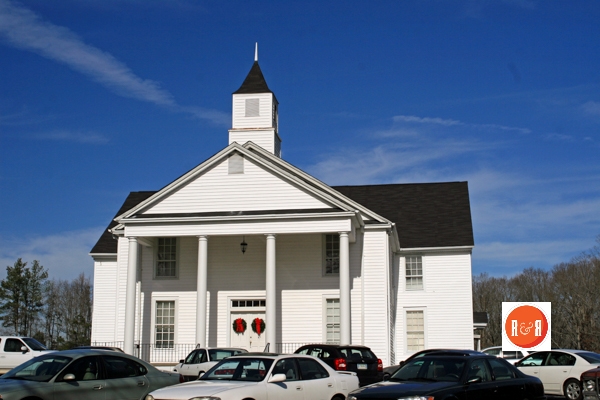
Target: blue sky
<point>100,98</point>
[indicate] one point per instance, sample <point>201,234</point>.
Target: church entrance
<point>248,330</point>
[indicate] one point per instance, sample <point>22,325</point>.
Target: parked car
<point>262,376</point>
<point>590,382</point>
<point>109,348</point>
<point>84,374</point>
<point>201,360</point>
<point>359,359</point>
<point>15,350</point>
<point>512,356</point>
<point>560,370</point>
<point>389,371</point>
<point>438,376</point>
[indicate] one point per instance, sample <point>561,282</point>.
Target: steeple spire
<point>256,52</point>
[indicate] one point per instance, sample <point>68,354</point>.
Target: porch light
<point>243,245</point>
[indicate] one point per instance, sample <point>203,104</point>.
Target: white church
<point>247,250</point>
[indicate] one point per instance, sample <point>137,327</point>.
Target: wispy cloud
<point>23,29</point>
<point>451,122</point>
<point>77,137</point>
<point>65,255</point>
<point>592,108</point>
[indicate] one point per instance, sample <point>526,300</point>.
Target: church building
<point>247,250</point>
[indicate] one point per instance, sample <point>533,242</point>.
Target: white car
<point>560,370</point>
<point>511,356</point>
<point>262,376</point>
<point>201,360</point>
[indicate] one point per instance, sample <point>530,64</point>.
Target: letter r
<point>538,327</point>
<point>514,327</point>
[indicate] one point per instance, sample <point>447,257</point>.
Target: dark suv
<point>359,359</point>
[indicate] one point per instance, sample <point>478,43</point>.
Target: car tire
<point>572,389</point>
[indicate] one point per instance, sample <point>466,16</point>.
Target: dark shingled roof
<point>425,214</point>
<point>106,244</point>
<point>255,82</point>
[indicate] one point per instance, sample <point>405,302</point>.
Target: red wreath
<point>239,325</point>
<point>258,326</point>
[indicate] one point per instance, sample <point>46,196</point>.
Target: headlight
<point>351,397</point>
<point>149,397</point>
<point>589,385</point>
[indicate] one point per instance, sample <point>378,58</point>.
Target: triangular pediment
<point>264,185</point>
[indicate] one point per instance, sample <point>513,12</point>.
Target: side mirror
<point>181,361</point>
<point>476,379</point>
<point>277,378</point>
<point>69,377</point>
<point>24,349</point>
<point>402,363</point>
<point>201,374</point>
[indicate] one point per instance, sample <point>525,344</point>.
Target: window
<point>165,324</point>
<point>415,330</point>
<point>332,254</point>
<point>13,346</point>
<point>166,258</point>
<point>332,323</point>
<point>252,108</point>
<point>121,367</point>
<point>85,369</point>
<point>414,273</point>
<point>311,369</point>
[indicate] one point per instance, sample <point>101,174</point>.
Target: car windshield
<point>219,354</point>
<point>39,369</point>
<point>592,358</point>
<point>239,369</point>
<point>431,369</point>
<point>34,344</point>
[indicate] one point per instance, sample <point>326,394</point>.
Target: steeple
<point>255,112</point>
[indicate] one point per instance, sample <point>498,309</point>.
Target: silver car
<point>84,374</point>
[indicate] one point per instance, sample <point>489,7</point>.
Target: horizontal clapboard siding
<point>446,300</point>
<point>263,120</point>
<point>267,139</point>
<point>218,191</point>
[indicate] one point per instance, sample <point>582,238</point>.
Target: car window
<point>479,369</point>
<point>311,369</point>
<point>358,354</point>
<point>40,369</point>
<point>219,354</point>
<point>34,344</point>
<point>84,369</point>
<point>430,369</point>
<point>500,370</point>
<point>192,357</point>
<point>535,359</point>
<point>558,359</point>
<point>239,369</point>
<point>121,367</point>
<point>13,345</point>
<point>304,351</point>
<point>288,367</point>
<point>592,358</point>
<point>493,352</point>
<point>202,356</point>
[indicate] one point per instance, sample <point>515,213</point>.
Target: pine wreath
<point>258,326</point>
<point>239,325</point>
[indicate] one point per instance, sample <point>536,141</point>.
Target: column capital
<point>205,237</point>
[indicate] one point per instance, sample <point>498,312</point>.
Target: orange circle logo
<point>526,326</point>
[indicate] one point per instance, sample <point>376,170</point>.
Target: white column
<point>271,295</point>
<point>130,296</point>
<point>345,336</point>
<point>201,289</point>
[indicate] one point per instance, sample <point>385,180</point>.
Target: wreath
<point>258,326</point>
<point>239,325</point>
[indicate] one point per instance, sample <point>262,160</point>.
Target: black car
<point>389,371</point>
<point>438,376</point>
<point>359,359</point>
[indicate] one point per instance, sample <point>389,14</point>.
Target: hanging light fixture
<point>243,245</point>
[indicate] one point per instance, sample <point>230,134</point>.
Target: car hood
<point>408,388</point>
<point>198,389</point>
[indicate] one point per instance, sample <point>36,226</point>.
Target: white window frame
<point>156,260</point>
<point>155,302</point>
<point>414,276</point>
<point>325,243</point>
<point>326,321</point>
<point>407,331</point>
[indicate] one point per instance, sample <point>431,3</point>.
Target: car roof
<point>338,346</point>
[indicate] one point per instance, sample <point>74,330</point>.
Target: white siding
<point>218,191</point>
<point>446,300</point>
<point>265,138</point>
<point>265,118</point>
<point>103,316</point>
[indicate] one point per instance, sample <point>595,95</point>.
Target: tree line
<point>572,287</point>
<point>58,313</point>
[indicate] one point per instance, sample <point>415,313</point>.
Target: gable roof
<point>425,214</point>
<point>255,82</point>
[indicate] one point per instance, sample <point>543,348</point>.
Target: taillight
<point>340,364</point>
<point>379,365</point>
<point>181,380</point>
